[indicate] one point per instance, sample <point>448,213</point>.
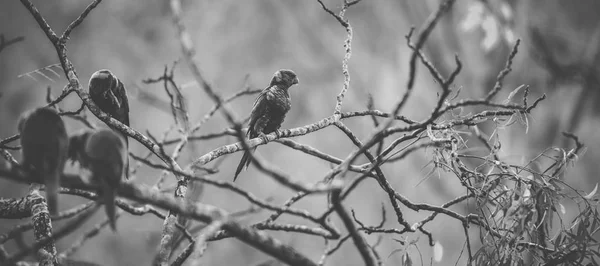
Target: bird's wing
<point>122,95</point>
<point>260,108</point>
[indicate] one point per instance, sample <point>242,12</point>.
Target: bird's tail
<point>244,162</point>
<point>109,202</point>
<point>52,182</point>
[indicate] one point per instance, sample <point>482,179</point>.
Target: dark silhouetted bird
<point>77,143</point>
<point>108,92</point>
<point>269,110</point>
<point>45,145</point>
<point>105,155</point>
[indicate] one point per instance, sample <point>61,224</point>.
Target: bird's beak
<point>295,81</point>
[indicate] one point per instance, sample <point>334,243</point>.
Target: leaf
<point>526,194</point>
<point>430,133</point>
<point>526,124</point>
<point>591,194</point>
<point>558,240</point>
<point>489,25</point>
<point>575,223</point>
<point>438,251</point>
<point>473,18</point>
<point>513,93</point>
<point>406,260</point>
<point>563,210</point>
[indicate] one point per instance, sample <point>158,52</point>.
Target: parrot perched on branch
<point>104,153</point>
<point>269,110</point>
<point>108,92</point>
<point>45,145</point>
<point>77,143</point>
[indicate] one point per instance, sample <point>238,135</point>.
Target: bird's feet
<point>263,137</point>
<point>279,133</point>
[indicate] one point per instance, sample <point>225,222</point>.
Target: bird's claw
<point>264,137</point>
<point>279,133</point>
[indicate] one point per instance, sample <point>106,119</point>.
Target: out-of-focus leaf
<point>490,27</point>
<point>474,16</point>
<point>562,208</point>
<point>509,36</point>
<point>438,251</point>
<point>506,11</point>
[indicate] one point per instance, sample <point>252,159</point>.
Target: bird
<point>269,110</point>
<point>77,143</point>
<point>105,155</point>
<point>108,92</point>
<point>45,145</point>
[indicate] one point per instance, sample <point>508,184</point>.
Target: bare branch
<point>504,72</point>
<point>48,239</point>
<point>76,22</point>
<point>348,53</point>
<point>231,186</point>
<point>187,47</point>
<point>29,225</point>
<point>74,83</point>
<point>200,241</point>
<point>429,26</point>
<point>203,212</point>
<point>359,240</point>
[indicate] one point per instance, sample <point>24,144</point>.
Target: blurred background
<point>559,55</point>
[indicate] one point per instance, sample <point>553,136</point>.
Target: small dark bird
<point>77,143</point>
<point>105,155</point>
<point>45,145</point>
<point>108,92</point>
<point>269,110</point>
